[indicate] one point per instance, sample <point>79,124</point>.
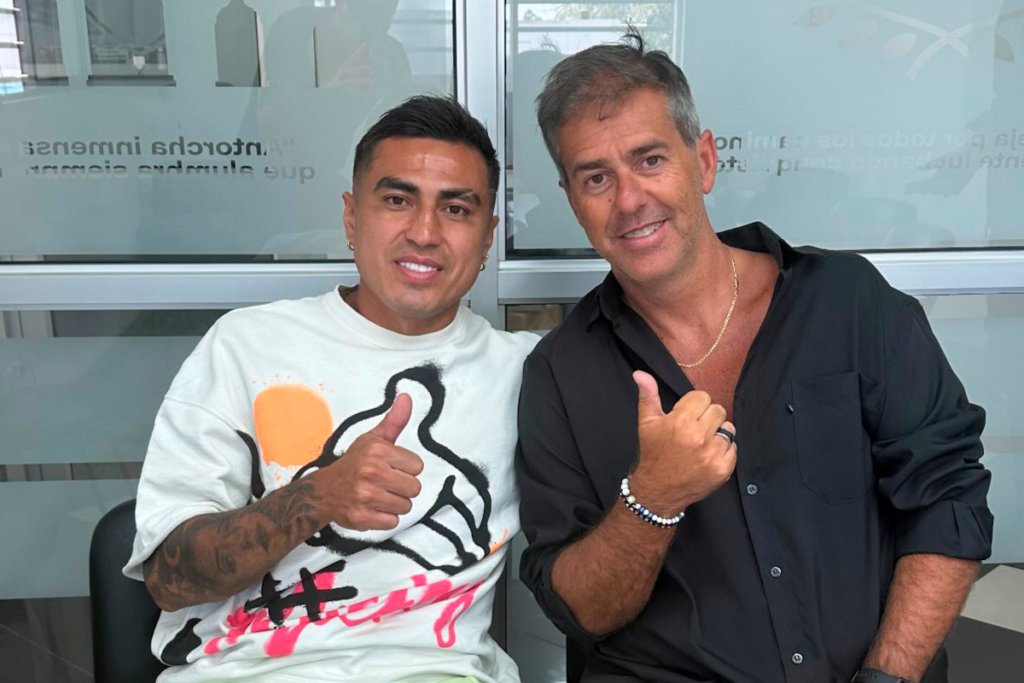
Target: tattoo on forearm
<point>262,538</point>
<point>210,557</point>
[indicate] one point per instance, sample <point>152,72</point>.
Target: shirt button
<point>752,489</point>
<point>776,572</point>
<point>790,408</point>
<point>798,658</point>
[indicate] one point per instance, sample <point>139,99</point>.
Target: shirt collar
<point>756,237</point>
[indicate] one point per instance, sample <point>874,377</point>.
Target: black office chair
<point>123,613</point>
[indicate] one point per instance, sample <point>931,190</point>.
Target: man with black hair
<point>328,490</point>
<point>834,531</point>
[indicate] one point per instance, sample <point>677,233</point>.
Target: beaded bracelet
<point>645,514</point>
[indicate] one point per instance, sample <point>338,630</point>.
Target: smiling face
<point>421,219</point>
<point>636,187</point>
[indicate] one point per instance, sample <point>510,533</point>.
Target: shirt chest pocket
<point>833,447</point>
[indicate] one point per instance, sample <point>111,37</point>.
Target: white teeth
<point>643,232</point>
<point>417,267</point>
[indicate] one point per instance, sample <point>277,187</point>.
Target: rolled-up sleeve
<point>927,447</point>
<point>558,500</point>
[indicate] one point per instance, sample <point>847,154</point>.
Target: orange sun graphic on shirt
<point>292,424</point>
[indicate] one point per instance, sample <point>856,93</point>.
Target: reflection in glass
<point>239,46</point>
<point>38,29</point>
<point>321,106</point>
<point>569,27</point>
<point>127,42</point>
<point>352,46</point>
<point>542,218</point>
<point>542,223</point>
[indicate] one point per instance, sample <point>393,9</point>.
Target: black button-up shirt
<point>857,446</point>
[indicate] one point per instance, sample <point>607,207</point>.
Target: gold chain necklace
<point>728,317</point>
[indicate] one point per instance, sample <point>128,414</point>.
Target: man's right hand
<point>682,461</point>
<point>375,481</point>
<point>214,556</point>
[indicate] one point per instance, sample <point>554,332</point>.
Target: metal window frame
<point>916,273</point>
<point>160,286</point>
<point>484,96</point>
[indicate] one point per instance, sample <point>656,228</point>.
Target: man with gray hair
<point>832,533</point>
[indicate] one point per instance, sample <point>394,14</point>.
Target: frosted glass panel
<point>85,387</point>
<point>154,160</point>
<point>846,125</point>
<point>79,391</point>
<point>45,531</point>
<point>981,336</point>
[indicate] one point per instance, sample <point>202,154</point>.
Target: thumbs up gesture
<point>682,459</point>
<point>375,481</point>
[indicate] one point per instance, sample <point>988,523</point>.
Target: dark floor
<point>45,641</point>
<point>49,641</point>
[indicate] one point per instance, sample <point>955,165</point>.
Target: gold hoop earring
<point>351,247</point>
<point>484,264</point>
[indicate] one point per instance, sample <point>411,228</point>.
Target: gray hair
<point>602,76</point>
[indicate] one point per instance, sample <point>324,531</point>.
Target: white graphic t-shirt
<point>274,391</point>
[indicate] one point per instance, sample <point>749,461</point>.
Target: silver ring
<point>725,434</point>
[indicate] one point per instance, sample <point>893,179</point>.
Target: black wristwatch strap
<point>876,676</point>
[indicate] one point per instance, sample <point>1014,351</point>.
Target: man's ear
<point>490,233</point>
<point>707,154</point>
<point>349,216</point>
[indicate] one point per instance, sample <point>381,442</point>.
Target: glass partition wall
<point>163,162</point>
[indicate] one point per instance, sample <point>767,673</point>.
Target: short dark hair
<point>433,117</point>
<point>603,76</point>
